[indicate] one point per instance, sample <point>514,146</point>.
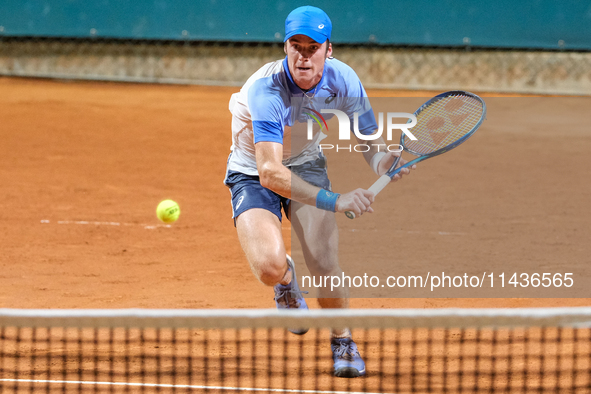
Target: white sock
<point>340,334</point>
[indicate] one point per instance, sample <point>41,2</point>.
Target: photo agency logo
<point>345,127</point>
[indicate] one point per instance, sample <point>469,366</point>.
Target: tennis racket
<point>443,123</point>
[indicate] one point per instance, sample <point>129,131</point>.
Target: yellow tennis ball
<point>168,211</point>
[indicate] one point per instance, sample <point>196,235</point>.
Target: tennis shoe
<point>290,296</point>
<point>347,360</point>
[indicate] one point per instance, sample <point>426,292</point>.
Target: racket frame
<point>453,144</point>
<point>385,179</point>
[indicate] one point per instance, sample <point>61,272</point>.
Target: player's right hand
<point>387,162</point>
<point>358,201</point>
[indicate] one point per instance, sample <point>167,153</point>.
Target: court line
<point>416,232</point>
<point>85,222</point>
<point>181,386</point>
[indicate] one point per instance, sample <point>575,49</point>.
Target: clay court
<point>84,165</point>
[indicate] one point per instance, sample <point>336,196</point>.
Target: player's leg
<point>259,233</point>
<point>257,215</point>
<point>318,234</point>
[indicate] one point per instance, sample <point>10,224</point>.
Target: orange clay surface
<point>84,165</point>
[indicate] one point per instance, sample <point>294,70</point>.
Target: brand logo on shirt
<point>330,99</point>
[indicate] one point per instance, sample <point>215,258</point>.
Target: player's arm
<point>278,178</point>
<point>380,159</point>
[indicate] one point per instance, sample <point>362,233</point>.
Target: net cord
<point>270,318</point>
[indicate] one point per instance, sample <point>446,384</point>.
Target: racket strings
<point>443,123</point>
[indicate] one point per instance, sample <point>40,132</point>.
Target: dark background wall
<point>538,24</point>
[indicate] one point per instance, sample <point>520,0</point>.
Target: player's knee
<point>322,249</point>
<point>270,268</point>
<point>325,267</point>
<point>322,262</point>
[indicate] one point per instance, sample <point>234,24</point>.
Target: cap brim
<point>318,37</point>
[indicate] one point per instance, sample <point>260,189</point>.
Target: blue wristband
<point>327,200</point>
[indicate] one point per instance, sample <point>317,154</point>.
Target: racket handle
<point>380,184</point>
<point>377,187</point>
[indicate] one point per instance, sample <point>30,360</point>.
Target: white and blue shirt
<point>269,107</point>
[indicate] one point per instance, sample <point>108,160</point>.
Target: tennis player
<point>267,171</point>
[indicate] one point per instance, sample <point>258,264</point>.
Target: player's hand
<point>358,201</point>
<point>387,161</point>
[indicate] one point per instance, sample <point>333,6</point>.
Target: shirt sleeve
<point>265,105</point>
<point>367,122</point>
<point>358,102</point>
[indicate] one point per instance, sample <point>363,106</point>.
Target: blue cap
<point>309,21</point>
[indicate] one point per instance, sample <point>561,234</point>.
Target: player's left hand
<point>387,161</point>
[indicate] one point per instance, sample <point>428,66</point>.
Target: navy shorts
<point>247,191</point>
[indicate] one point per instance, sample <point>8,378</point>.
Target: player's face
<point>305,58</point>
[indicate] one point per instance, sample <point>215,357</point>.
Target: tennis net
<point>182,351</point>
